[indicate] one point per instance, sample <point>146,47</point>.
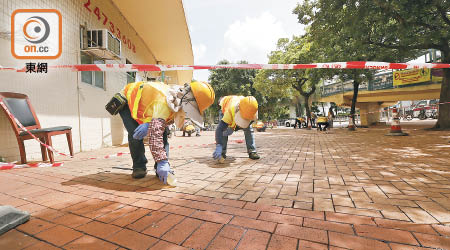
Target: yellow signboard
<point>404,77</point>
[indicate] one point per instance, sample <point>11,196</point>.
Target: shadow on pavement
<point>117,182</point>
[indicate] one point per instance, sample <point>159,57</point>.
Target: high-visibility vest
<point>228,105</point>
<point>322,119</point>
<point>147,100</point>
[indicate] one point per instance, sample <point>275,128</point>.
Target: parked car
<point>289,122</point>
<point>426,109</point>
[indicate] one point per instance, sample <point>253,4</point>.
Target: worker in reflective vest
<point>237,112</point>
<point>151,107</point>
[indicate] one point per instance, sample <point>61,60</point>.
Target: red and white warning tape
<point>12,165</point>
<point>7,166</point>
<point>31,134</point>
<point>157,67</point>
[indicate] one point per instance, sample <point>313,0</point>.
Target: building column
<point>370,113</point>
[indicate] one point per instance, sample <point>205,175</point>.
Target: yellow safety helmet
<point>204,95</point>
<point>248,107</point>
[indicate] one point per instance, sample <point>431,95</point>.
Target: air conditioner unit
<point>101,43</point>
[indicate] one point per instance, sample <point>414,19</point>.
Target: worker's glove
<point>218,152</point>
<point>228,132</point>
<point>163,170</point>
<point>141,131</point>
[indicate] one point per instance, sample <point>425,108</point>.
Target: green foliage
<point>241,82</point>
<point>291,84</point>
<point>379,30</point>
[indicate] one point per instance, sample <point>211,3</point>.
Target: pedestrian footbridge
<point>386,89</point>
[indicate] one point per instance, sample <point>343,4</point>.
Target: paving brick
<point>355,242</point>
<point>418,215</point>
<point>328,225</point>
<point>90,243</point>
<point>222,243</point>
<point>317,168</point>
<point>99,229</point>
<point>212,216</point>
<point>308,245</point>
<point>14,239</point>
<point>358,211</point>
<point>302,233</point>
<point>262,207</point>
<point>114,215</point>
<point>396,246</point>
<point>130,217</point>
<point>227,202</point>
<point>240,212</point>
<point>395,215</point>
<point>341,200</point>
<point>251,196</point>
<point>104,210</point>
<point>182,231</point>
<point>90,206</point>
<point>204,234</point>
<point>252,223</point>
<point>275,202</point>
<point>147,204</point>
<point>147,221</point>
<point>159,228</point>
<point>232,232</point>
<point>282,242</point>
<point>323,204</point>
<point>438,212</point>
<point>352,219</point>
<point>304,213</point>
<point>443,230</point>
<point>281,218</point>
<point>59,235</point>
<point>254,240</point>
<point>49,214</point>
<point>303,205</point>
<point>41,246</point>
<point>407,226</point>
<point>164,245</point>
<point>71,220</point>
<point>385,234</point>
<point>435,241</point>
<point>31,208</point>
<point>35,225</point>
<point>132,240</point>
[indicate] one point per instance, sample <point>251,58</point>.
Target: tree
<point>291,83</point>
<point>227,81</point>
<point>402,28</point>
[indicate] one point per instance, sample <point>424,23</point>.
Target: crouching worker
<point>237,112</point>
<point>322,121</point>
<point>151,107</point>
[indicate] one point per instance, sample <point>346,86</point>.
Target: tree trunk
<point>443,121</point>
<point>323,109</point>
<point>354,99</point>
<point>308,113</point>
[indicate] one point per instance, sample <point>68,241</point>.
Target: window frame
<point>93,60</point>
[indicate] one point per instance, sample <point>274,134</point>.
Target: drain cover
<point>11,218</point>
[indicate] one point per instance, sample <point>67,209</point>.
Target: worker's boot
<point>139,173</point>
<point>253,156</point>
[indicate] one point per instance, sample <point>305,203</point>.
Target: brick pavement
<point>310,190</point>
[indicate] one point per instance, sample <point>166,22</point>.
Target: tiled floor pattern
<point>310,190</point>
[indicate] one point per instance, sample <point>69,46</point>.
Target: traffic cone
<point>396,129</point>
<point>351,125</point>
